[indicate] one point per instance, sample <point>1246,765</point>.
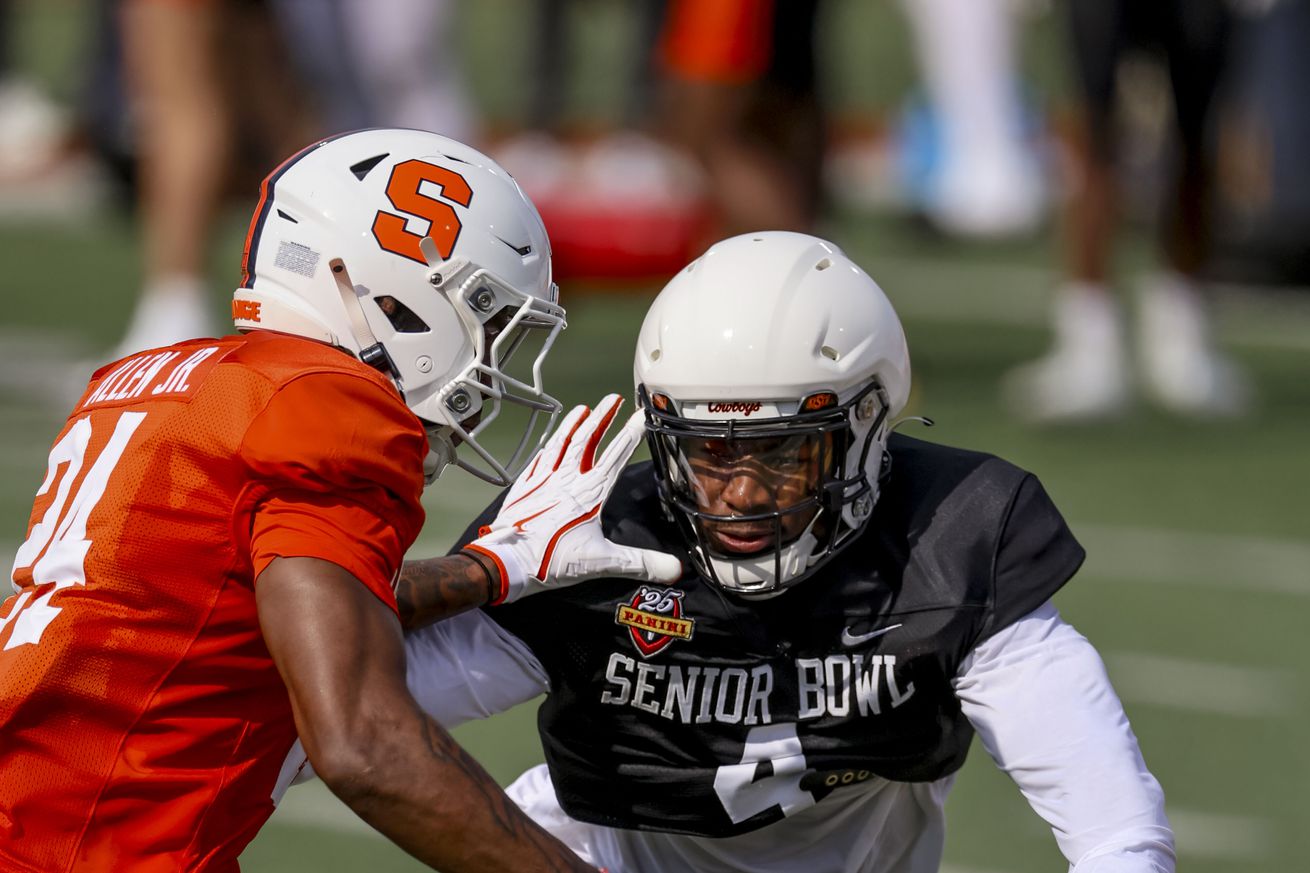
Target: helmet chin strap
<point>371,351</point>
<point>441,449</point>
<point>921,419</point>
<point>441,454</point>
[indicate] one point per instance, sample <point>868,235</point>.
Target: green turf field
<point>1196,589</point>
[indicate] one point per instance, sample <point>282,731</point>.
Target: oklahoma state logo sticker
<point>654,619</point>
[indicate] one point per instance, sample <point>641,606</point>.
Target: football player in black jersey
<point>855,606</point>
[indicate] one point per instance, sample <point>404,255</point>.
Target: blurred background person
<point>34,130</point>
<point>361,64</point>
<point>553,50</point>
<point>1263,222</point>
<point>1087,373</point>
<point>719,131</point>
<point>371,63</point>
<point>183,135</point>
<point>974,166</point>
<point>739,92</point>
<point>623,202</point>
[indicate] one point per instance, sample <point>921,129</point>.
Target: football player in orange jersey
<point>210,562</point>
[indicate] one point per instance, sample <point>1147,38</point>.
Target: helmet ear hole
<point>402,318</point>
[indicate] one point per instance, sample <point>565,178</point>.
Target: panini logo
<point>653,617</point>
<point>655,624</point>
<point>743,407</point>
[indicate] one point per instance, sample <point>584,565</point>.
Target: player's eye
<point>713,450</point>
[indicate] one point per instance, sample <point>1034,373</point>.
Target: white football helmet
<point>421,257</point>
<point>771,343</point>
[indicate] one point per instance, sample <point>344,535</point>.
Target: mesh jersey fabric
<point>142,719</point>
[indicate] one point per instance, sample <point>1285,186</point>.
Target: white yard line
<point>1220,837</point>
<point>311,805</point>
<point>1236,563</point>
<point>1202,686</point>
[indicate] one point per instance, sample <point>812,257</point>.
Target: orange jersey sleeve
<point>335,467</point>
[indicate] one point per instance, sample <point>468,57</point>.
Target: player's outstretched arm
<point>340,652</point>
<point>547,533</point>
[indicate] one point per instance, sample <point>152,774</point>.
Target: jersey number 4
<point>57,546</point>
<point>749,788</point>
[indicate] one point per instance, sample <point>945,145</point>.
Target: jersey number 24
<point>57,546</point>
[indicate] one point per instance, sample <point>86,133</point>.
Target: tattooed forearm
<point>437,588</point>
<point>512,831</point>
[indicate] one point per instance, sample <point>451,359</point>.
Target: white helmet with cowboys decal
<point>771,369</point>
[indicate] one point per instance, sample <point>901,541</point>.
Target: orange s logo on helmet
<point>403,190</point>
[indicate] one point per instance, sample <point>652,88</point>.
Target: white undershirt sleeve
<point>460,669</point>
<point>1038,695</point>
<point>468,667</point>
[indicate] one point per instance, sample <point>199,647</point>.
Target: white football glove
<point>548,533</point>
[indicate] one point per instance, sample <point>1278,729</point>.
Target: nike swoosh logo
<point>850,639</point>
<point>522,524</point>
<point>523,251</point>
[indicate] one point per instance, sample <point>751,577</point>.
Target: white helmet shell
<point>747,334</point>
<point>421,256</point>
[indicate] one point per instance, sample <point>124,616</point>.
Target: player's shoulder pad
<point>927,479</point>
<point>335,430</point>
<point>281,358</point>
<point>993,516</point>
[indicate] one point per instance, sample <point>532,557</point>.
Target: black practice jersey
<point>686,709</point>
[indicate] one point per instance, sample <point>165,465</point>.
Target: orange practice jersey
<point>142,720</point>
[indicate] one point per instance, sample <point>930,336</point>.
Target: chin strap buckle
<point>377,357</point>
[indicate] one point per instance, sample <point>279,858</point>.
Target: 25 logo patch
<point>654,619</point>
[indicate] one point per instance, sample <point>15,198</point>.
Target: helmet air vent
<point>363,168</point>
<point>402,318</point>
<point>824,264</point>
<point>830,353</point>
